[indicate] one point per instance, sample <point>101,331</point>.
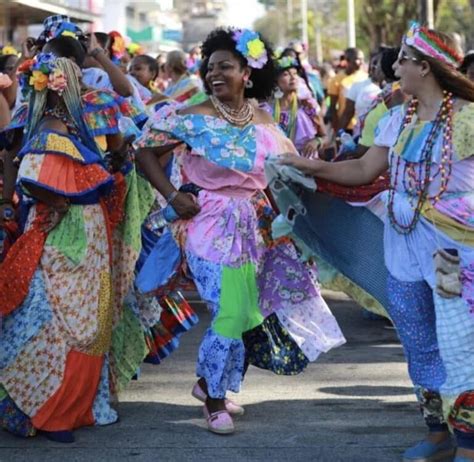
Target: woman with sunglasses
<point>428,147</point>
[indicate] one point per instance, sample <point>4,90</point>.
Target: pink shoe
<point>232,407</point>
<point>219,422</point>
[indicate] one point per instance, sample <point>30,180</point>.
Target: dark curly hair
<point>263,79</point>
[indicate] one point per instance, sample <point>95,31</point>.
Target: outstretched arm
<point>356,172</point>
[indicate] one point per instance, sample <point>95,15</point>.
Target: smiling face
<point>408,68</point>
<point>225,75</point>
<point>288,80</point>
<point>141,71</point>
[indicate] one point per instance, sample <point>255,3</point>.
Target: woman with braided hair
<point>66,343</point>
<point>428,147</point>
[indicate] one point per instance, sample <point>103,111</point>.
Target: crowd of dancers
<point>128,178</point>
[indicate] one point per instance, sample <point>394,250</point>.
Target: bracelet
<point>171,197</point>
<point>95,52</point>
<point>4,201</point>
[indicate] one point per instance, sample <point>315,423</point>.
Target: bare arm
<point>150,164</point>
<point>356,172</point>
<point>333,110</point>
<point>347,115</point>
<point>119,81</point>
<point>4,111</point>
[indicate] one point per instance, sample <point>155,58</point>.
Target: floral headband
<point>251,47</point>
<point>40,73</point>
<point>427,43</point>
<point>287,62</point>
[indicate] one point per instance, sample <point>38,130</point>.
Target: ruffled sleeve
<point>463,132</point>
<point>17,122</point>
<point>61,164</point>
<point>103,109</point>
<point>157,131</point>
<point>388,128</point>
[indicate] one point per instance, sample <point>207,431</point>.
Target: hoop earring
<point>248,84</point>
<point>278,94</point>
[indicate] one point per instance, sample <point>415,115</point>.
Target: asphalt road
<point>354,404</point>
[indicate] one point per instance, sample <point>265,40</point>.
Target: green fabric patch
<point>146,196</point>
<point>69,236</point>
<point>3,393</point>
<point>128,348</point>
<point>239,311</point>
<point>130,228</point>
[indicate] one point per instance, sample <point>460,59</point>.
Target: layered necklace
<point>240,117</point>
<point>418,176</point>
<point>287,121</point>
<point>60,112</point>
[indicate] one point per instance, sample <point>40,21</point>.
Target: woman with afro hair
<point>265,305</point>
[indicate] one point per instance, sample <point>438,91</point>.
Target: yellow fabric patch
<point>103,341</point>
<point>64,145</point>
<point>101,142</point>
<point>463,132</point>
<point>457,231</point>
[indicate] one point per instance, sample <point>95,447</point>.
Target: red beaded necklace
<point>418,176</point>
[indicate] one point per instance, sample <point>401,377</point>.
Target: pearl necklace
<point>416,184</point>
<point>240,117</point>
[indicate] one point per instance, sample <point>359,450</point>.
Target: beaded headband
<point>251,47</point>
<point>40,73</point>
<point>429,44</point>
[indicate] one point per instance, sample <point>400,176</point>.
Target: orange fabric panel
<point>20,264</point>
<point>71,406</point>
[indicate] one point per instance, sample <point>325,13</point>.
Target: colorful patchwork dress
<point>265,304</point>
<point>436,329</point>
<point>68,340</point>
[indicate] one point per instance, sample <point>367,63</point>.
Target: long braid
<point>73,101</point>
<point>36,107</point>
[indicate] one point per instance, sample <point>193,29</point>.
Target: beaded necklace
<point>240,117</point>
<point>290,126</point>
<point>59,112</point>
<point>418,176</point>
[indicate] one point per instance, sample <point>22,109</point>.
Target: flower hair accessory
<point>427,43</point>
<point>287,62</point>
<point>42,73</point>
<point>9,50</point>
<point>251,47</point>
<point>118,46</point>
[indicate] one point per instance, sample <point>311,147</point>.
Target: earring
<point>248,84</point>
<point>278,94</point>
